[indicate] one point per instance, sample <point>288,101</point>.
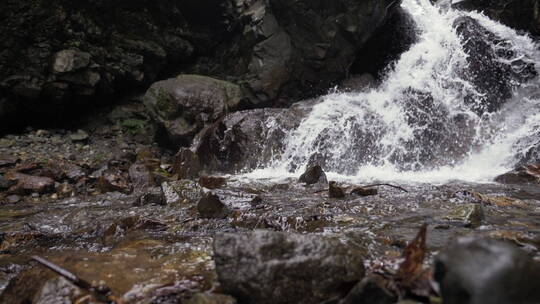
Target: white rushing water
<point>418,125</point>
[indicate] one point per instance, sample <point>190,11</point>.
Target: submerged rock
<point>478,271</point>
<point>58,290</point>
<point>276,267</point>
<point>470,215</point>
<point>313,175</point>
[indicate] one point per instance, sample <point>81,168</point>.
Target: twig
<point>367,186</point>
<point>389,185</point>
<point>102,293</point>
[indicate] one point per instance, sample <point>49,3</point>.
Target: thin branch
<point>102,293</point>
<point>389,185</point>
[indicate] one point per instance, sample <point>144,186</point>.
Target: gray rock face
<point>492,77</point>
<point>480,271</point>
<point>58,55</point>
<point>519,14</point>
<point>275,267</point>
<point>246,139</point>
<point>301,48</point>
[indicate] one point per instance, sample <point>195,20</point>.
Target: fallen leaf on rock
<point>412,267</point>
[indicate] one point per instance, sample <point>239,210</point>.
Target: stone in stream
<point>186,164</point>
<point>361,191</point>
<point>183,190</point>
<point>151,196</point>
<point>141,177</point>
<point>335,191</point>
<point>313,175</point>
<point>268,267</point>
<point>470,215</point>
<point>29,183</point>
<point>212,182</point>
<point>210,206</point>
<point>480,271</point>
<point>527,174</point>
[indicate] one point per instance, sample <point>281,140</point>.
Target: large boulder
<point>475,271</point>
<point>247,139</point>
<point>519,14</point>
<point>276,267</point>
<point>182,106</point>
<point>495,67</point>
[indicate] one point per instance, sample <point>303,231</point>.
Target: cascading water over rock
<point>461,103</point>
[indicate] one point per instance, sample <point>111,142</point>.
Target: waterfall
<point>430,120</point>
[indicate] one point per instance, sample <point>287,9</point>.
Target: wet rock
<point>369,291</point>
<point>298,50</point>
<point>257,200</point>
<point>470,215</point>
<point>211,298</point>
<point>79,136</point>
<point>186,164</point>
<point>12,199</point>
<point>210,206</point>
<point>494,71</point>
<point>5,183</point>
<point>171,196</point>
<point>313,175</point>
<point>8,160</point>
<point>25,286</point>
<point>523,15</point>
<point>141,177</point>
<point>475,271</point>
<point>527,174</point>
<point>58,290</point>
<point>70,60</point>
<point>30,184</point>
<point>212,182</point>
<point>335,191</point>
<point>361,191</point>
<point>246,139</point>
<point>182,106</point>
<point>64,190</point>
<point>152,196</point>
<point>113,179</point>
<point>188,191</point>
<point>358,83</point>
<point>275,267</point>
